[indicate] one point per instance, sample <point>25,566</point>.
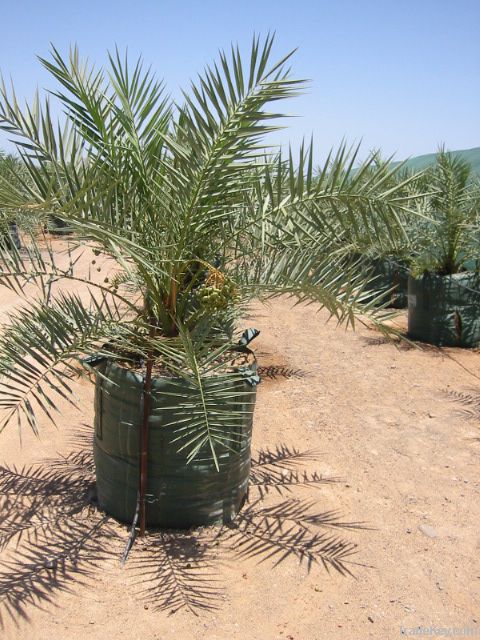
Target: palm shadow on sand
<point>53,536</point>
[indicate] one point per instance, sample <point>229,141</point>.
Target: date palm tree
<point>199,217</point>
<point>444,290</point>
<point>10,170</point>
<point>448,241</point>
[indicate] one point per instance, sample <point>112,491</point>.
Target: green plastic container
<point>390,275</point>
<point>10,237</point>
<point>445,310</point>
<point>179,495</point>
<point>57,227</point>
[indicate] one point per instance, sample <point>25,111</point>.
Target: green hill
<point>472,156</point>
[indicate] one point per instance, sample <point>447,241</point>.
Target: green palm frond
<point>42,346</point>
<point>208,398</point>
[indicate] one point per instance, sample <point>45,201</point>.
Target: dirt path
<point>393,468</point>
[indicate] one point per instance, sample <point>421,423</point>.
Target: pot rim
<point>139,378</point>
<point>470,275</point>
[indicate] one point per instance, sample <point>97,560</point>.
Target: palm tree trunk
<point>147,396</point>
<point>147,390</point>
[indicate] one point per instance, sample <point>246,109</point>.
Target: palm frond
<point>42,346</point>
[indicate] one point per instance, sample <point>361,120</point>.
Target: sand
<point>363,519</point>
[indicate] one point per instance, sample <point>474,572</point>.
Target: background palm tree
<point>443,289</point>
<point>448,240</point>
<point>11,168</point>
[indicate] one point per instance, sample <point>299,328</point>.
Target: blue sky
<point>403,76</point>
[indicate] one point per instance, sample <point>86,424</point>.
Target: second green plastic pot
<point>445,310</point>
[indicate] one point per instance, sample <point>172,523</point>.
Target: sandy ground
<point>369,475</point>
